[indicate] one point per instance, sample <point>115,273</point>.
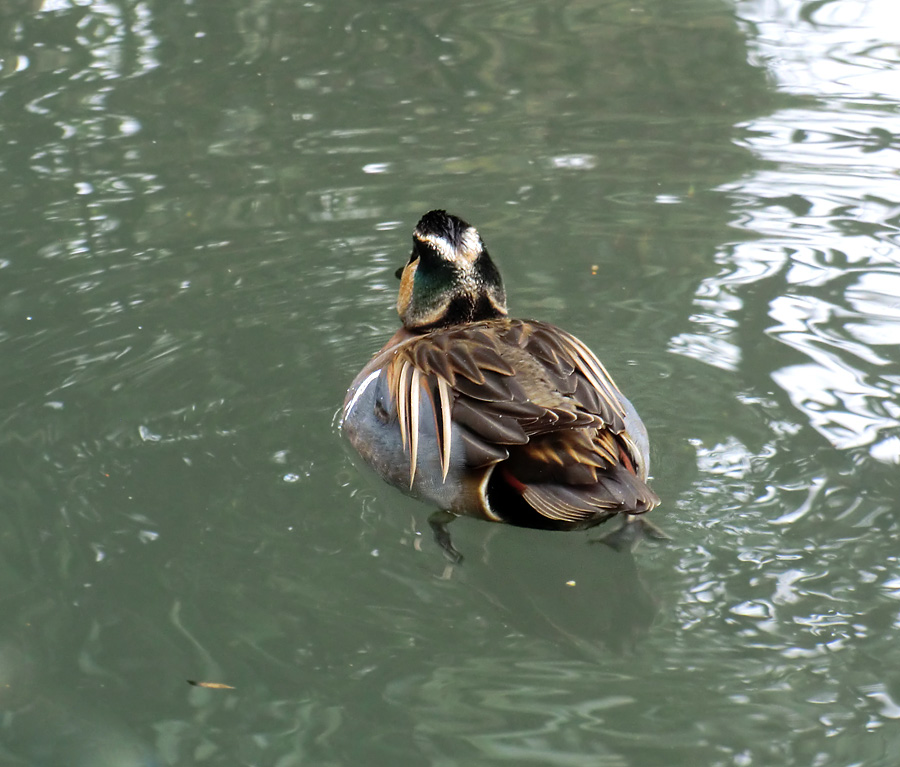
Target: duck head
<point>450,278</point>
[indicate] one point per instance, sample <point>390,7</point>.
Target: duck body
<point>482,415</point>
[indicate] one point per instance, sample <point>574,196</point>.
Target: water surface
<point>203,208</point>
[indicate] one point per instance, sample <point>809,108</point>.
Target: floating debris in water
<point>210,685</point>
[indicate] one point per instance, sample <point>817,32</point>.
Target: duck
<point>482,415</point>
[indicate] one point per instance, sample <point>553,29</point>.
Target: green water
<point>202,209</point>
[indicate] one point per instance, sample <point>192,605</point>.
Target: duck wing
<point>531,393</point>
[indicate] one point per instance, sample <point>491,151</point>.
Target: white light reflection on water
<point>115,37</point>
<point>828,209</point>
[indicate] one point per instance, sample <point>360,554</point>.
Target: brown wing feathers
<point>529,393</point>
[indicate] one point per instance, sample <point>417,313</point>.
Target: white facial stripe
<point>470,246</point>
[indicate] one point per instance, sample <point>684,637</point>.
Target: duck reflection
<point>589,597</point>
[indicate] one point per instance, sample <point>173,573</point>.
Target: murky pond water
<point>203,207</point>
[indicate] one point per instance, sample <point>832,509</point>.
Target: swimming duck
<point>507,420</point>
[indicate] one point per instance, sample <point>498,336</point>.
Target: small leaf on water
<point>211,685</point>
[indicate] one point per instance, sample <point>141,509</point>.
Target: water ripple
<point>824,215</point>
